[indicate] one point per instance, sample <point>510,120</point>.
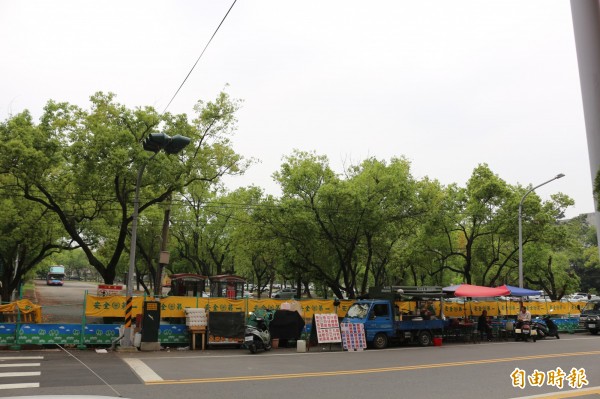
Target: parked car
<point>284,293</point>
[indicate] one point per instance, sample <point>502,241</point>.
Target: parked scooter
<point>257,337</point>
<point>546,329</point>
<point>523,331</point>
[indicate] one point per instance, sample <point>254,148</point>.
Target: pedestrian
<point>484,326</point>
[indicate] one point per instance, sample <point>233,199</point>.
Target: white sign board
<point>328,328</point>
<point>353,336</point>
<point>109,290</point>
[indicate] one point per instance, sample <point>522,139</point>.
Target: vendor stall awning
<point>480,291</point>
<point>516,291</point>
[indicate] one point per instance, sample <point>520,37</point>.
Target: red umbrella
<point>480,291</point>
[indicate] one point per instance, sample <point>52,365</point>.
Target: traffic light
<point>176,144</point>
<point>156,142</point>
<point>162,141</point>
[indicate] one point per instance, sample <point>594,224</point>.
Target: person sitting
<point>523,317</point>
<point>428,311</point>
<point>483,325</point>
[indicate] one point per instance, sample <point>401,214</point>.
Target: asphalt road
<point>456,370</point>
<point>62,304</point>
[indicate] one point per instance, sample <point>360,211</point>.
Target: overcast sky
<point>447,84</point>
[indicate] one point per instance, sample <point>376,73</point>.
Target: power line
<point>205,47</point>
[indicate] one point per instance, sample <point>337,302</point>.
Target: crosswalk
<point>16,371</point>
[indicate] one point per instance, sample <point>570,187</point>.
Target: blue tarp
<point>516,291</point>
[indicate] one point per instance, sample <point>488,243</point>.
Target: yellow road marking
<point>364,371</point>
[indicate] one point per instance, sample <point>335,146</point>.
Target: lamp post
<point>521,229</point>
<point>154,143</point>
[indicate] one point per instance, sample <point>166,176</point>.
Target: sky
<point>447,84</point>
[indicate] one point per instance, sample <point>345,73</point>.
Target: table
<point>197,330</point>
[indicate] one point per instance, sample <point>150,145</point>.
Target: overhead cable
<point>205,47</point>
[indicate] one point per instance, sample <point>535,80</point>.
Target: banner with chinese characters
<point>174,306</point>
<point>509,308</point>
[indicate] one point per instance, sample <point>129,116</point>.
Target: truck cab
<point>383,323</point>
<point>377,318</point>
<point>590,316</point>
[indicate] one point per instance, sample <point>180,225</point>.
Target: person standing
<point>484,326</point>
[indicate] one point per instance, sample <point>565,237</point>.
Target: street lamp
<point>558,176</point>
<point>155,142</point>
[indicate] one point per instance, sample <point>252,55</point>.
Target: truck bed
<point>406,325</point>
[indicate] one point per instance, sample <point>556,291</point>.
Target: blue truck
<point>384,323</point>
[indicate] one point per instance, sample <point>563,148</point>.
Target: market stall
<point>227,286</point>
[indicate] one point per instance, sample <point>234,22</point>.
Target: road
<point>452,371</point>
<point>62,304</point>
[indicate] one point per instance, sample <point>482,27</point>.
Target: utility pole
<point>163,259</point>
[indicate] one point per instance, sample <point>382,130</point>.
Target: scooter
<point>258,337</point>
<point>524,331</point>
<point>545,329</point>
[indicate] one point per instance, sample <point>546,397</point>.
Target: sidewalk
<point>30,294</point>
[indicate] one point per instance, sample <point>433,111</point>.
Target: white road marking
<point>17,386</point>
<point>16,374</point>
<point>20,374</point>
<point>20,365</point>
<point>142,370</point>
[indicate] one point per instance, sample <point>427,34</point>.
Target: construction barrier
<point>173,306</point>
<point>28,330</point>
<point>22,310</point>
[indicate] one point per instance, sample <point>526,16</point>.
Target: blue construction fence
<point>12,334</point>
<point>76,334</point>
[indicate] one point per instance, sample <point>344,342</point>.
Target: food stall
<point>227,286</point>
<point>187,284</point>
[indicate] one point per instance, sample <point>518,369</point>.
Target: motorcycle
<point>257,337</point>
<point>546,329</point>
<point>523,331</point>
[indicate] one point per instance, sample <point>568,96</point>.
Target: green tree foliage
<point>342,232</point>
<point>474,230</point>
<point>82,165</point>
<point>28,235</point>
<point>75,263</point>
<point>585,255</point>
<point>202,231</point>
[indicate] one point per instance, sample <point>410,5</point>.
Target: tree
<point>28,235</point>
<point>342,232</point>
<point>473,232</point>
<point>82,165</point>
<point>584,254</point>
